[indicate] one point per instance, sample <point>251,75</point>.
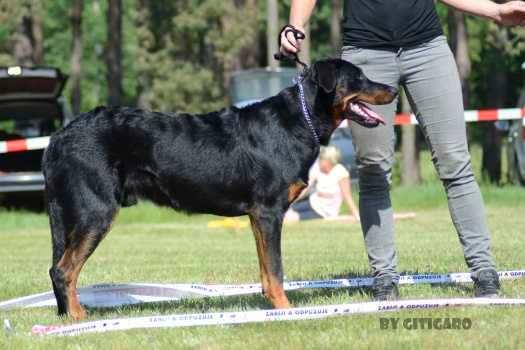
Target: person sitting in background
<point>329,184</point>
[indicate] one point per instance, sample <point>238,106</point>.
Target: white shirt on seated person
<point>329,184</point>
<point>327,196</point>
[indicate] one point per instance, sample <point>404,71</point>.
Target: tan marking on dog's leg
<point>276,294</point>
<point>271,286</point>
<point>70,264</point>
<point>260,249</point>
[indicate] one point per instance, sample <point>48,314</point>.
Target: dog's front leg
<point>266,226</point>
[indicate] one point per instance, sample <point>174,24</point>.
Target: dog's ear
<point>325,75</point>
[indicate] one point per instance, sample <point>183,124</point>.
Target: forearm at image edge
<point>300,12</point>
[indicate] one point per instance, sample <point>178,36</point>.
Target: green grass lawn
<point>149,244</point>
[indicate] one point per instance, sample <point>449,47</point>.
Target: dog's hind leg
<point>76,234</point>
<point>58,238</point>
<point>266,226</point>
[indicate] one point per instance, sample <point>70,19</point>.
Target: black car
<point>31,109</point>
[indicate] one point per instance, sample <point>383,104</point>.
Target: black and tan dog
<point>251,161</point>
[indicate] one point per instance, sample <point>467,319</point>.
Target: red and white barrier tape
<point>483,115</point>
<point>23,145</point>
<point>293,314</point>
<point>37,143</point>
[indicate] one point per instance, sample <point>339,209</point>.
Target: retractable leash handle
<point>298,35</point>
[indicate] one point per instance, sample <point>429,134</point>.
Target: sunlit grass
<point>149,244</point>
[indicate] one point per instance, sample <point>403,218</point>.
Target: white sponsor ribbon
<point>113,295</point>
<point>294,314</point>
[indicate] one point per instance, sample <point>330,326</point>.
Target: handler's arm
<point>509,13</point>
<point>300,13</point>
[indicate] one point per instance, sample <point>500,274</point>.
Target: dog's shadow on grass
<point>258,301</point>
<point>245,302</point>
<point>229,303</point>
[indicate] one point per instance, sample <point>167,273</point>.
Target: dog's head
<point>345,88</point>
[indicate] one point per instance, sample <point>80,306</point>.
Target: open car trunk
<point>30,107</point>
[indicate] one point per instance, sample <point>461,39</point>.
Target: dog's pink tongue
<point>363,115</point>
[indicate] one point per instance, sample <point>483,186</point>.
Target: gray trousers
<point>430,79</point>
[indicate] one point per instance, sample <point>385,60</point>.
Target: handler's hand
<point>288,43</point>
<point>512,13</point>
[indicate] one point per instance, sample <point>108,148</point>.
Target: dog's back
<point>214,163</point>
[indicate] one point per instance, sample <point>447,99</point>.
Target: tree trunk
<point>114,52</point>
<point>76,55</point>
<point>145,41</point>
<point>411,170</point>
<point>272,32</point>
<point>335,25</point>
<point>22,48</point>
<point>37,35</point>
<point>497,92</point>
<point>491,159</point>
<point>249,56</point>
<point>245,56</point>
<point>492,138</point>
<point>306,46</point>
<point>459,44</point>
<point>28,39</point>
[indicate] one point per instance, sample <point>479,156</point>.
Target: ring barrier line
<point>113,295</point>
<point>240,317</point>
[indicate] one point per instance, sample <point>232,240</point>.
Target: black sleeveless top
<point>389,24</point>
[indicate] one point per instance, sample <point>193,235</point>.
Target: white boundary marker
<point>106,295</point>
<point>113,295</point>
<point>293,314</point>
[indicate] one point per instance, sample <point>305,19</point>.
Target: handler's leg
<point>433,87</point>
<point>375,157</point>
